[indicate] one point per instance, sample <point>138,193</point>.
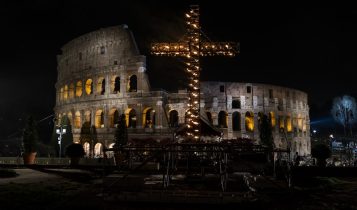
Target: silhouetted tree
<point>265,129</point>
<point>321,152</point>
<point>121,132</point>
<point>88,134</point>
<point>30,135</point>
<point>344,111</point>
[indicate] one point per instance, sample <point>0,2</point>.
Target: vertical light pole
<point>60,130</point>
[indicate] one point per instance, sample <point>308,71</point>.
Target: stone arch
<point>300,122</point>
<point>59,119</point>
<point>79,89</point>
<point>223,119</point>
<point>115,84</point>
<point>113,118</point>
<point>110,154</point>
<point>86,147</point>
<point>209,117</point>
<point>61,94</point>
<point>89,86</point>
<point>65,92</point>
<point>130,116</point>
<point>99,119</point>
<point>236,121</point>
<point>272,119</point>
<point>149,117</point>
<point>281,123</point>
<point>101,86</point>
<point>288,124</point>
<point>71,91</point>
<point>98,150</point>
<point>249,121</point>
<point>88,117</point>
<point>133,83</point>
<point>173,118</point>
<point>260,117</point>
<point>70,118</point>
<point>77,119</point>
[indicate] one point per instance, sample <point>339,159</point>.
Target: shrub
<point>321,152</point>
<point>75,150</point>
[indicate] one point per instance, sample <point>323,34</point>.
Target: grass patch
<point>7,173</point>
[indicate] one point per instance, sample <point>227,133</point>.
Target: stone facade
<point>102,75</point>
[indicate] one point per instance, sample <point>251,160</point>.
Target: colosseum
<point>102,75</point>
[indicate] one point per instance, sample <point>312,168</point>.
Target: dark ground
<point>77,189</point>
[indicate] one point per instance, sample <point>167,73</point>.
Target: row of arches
<point>97,150</point>
<point>77,89</point>
<point>80,117</point>
<point>284,122</point>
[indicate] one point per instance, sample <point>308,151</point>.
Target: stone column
<point>159,115</point>
<point>229,126</point>
<point>106,116</point>
<point>92,116</point>
<point>242,123</point>
<point>107,85</point>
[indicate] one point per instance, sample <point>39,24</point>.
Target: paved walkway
<point>30,176</point>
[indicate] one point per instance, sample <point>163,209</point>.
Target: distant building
<point>102,75</point>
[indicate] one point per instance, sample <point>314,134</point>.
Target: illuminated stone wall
<point>244,103</point>
<point>102,75</point>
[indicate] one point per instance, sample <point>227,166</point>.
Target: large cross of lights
<point>192,48</point>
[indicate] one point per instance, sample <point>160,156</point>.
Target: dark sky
<point>313,50</point>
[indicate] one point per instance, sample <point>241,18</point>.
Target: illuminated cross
<point>192,48</point>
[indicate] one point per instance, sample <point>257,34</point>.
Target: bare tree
<point>344,111</point>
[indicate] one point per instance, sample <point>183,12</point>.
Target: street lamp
<point>60,130</point>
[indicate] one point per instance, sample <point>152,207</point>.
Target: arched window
<point>70,118</point>
<point>99,119</point>
<point>89,86</point>
<point>130,115</point>
<point>236,121</point>
<point>79,89</point>
<point>249,121</point>
<point>87,117</point>
<point>61,94</point>
<point>110,154</point>
<point>77,119</point>
<point>281,123</point>
<point>173,118</point>
<point>101,86</point>
<point>133,82</point>
<point>260,117</point>
<point>71,90</point>
<point>222,119</point>
<point>65,93</point>
<point>113,118</point>
<point>209,116</point>
<point>288,124</point>
<point>86,148</point>
<point>299,122</point>
<point>98,150</point>
<point>116,85</point>
<point>148,117</point>
<point>272,119</point>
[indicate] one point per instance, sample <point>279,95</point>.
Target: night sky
<point>313,50</point>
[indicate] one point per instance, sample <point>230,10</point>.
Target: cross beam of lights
<point>192,48</point>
